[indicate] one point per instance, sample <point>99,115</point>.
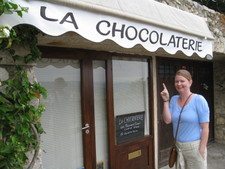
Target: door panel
<point>62,141</point>
<point>205,87</point>
<point>135,155</point>
<point>68,119</point>
<point>88,113</point>
<point>132,140</point>
<point>130,91</point>
<point>101,135</point>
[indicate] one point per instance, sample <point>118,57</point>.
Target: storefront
<point>101,67</point>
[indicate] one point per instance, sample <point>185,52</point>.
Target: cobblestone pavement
<point>216,156</point>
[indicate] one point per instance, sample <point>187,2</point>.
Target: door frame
<point>87,102</point>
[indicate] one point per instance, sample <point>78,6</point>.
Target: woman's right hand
<point>166,111</point>
<point>165,94</point>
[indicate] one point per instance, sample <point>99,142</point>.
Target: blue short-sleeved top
<point>194,113</point>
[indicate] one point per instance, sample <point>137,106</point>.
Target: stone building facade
<point>216,23</point>
<point>219,101</point>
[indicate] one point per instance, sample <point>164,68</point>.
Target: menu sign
<point>129,126</point>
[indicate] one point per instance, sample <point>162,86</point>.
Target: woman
<point>192,137</point>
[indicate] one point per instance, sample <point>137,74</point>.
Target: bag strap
<point>180,117</point>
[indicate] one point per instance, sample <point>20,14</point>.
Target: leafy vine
<point>20,125</point>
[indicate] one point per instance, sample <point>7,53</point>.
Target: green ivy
<point>7,7</point>
<point>20,125</point>
<point>16,117</point>
<point>23,35</point>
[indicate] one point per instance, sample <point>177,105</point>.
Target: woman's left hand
<point>202,152</point>
<point>204,139</point>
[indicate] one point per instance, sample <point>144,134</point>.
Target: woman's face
<point>182,84</point>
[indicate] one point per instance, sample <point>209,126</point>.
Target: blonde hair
<point>184,73</point>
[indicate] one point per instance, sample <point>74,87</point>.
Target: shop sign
<point>55,20</point>
<point>129,126</point>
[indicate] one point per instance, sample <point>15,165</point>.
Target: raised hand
<point>165,94</point>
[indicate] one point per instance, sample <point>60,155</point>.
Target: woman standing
<point>192,136</point>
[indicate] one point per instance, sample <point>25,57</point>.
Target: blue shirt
<point>194,113</point>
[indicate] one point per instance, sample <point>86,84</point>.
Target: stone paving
<point>216,156</point>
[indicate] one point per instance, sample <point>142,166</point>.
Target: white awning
<point>126,22</point>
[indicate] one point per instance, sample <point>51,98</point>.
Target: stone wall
<point>219,103</point>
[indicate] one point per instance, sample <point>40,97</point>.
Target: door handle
<point>86,126</point>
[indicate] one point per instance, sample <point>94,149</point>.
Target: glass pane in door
<point>100,113</point>
<point>131,103</point>
<point>61,144</point>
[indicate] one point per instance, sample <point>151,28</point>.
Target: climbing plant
<point>20,125</point>
<point>8,7</point>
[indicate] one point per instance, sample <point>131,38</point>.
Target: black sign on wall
<point>129,126</point>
